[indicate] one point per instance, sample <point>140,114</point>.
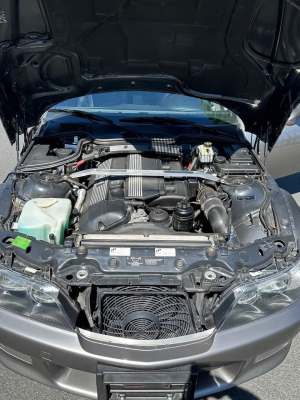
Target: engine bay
<point>147,233</point>
<point>161,203</point>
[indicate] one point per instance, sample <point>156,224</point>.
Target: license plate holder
<point>170,384</point>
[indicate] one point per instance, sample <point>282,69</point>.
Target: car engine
<point>111,203</point>
<point>145,237</point>
<point>161,204</point>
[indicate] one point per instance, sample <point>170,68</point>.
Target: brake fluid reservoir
<point>42,216</point>
<point>206,153</point>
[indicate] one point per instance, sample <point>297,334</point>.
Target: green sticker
<point>21,242</point>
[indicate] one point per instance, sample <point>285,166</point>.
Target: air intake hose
<point>214,210</point>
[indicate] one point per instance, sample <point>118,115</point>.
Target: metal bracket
<point>102,173</point>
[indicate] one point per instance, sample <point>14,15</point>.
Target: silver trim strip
<point>145,343</point>
<point>100,185</point>
<point>135,183</point>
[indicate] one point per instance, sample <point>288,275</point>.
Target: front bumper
<point>68,360</point>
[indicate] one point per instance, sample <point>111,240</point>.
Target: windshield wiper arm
<point>94,118</point>
<point>158,121</point>
<point>169,121</point>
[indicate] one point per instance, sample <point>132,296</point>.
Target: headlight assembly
<point>258,299</point>
<point>6,283</point>
<point>36,299</point>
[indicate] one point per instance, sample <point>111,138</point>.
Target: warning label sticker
<point>119,251</point>
<point>145,261</point>
<point>21,242</point>
<point>165,252</point>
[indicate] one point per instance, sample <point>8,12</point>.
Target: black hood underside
<point>244,54</point>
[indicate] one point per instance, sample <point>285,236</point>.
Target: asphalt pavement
<point>281,383</point>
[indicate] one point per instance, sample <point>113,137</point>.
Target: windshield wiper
<point>171,121</point>
<point>158,121</point>
<point>95,118</point>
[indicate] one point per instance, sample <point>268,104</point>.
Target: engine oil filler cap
<point>159,216</point>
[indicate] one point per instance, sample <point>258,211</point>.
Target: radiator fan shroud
<point>144,315</point>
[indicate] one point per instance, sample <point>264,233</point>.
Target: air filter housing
<point>145,313</point>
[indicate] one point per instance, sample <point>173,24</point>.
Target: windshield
<point>136,104</point>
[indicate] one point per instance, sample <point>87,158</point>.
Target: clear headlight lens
<point>248,298</point>
<point>9,284</point>
<point>44,295</point>
<point>258,299</point>
<point>36,299</point>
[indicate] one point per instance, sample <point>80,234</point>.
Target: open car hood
<point>244,54</point>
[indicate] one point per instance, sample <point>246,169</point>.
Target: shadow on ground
<point>232,394</point>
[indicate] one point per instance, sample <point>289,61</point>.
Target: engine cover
<point>107,204</point>
<point>105,215</point>
<point>155,191</point>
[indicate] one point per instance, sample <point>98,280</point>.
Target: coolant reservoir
<point>40,217</point>
<point>206,153</point>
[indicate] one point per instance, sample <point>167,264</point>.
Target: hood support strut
<point>17,138</point>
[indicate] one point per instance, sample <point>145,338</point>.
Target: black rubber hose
<point>214,211</point>
<point>262,211</point>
